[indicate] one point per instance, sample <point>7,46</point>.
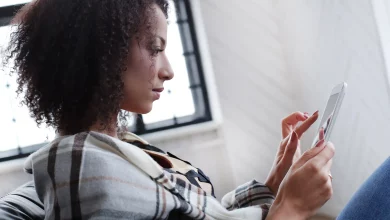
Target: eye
<point>156,51</point>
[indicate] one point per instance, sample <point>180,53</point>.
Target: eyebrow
<point>162,40</point>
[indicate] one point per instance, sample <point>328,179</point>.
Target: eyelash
<point>156,51</point>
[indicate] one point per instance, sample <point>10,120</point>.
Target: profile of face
<point>147,67</point>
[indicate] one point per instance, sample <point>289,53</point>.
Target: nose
<point>166,72</point>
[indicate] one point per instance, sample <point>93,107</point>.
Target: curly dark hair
<point>70,57</point>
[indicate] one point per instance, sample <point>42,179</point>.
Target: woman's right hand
<point>307,186</point>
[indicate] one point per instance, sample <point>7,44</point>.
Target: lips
<point>156,93</point>
<point>158,90</point>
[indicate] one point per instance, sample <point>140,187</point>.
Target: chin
<point>146,111</point>
<point>144,108</point>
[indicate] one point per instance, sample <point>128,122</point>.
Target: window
<point>183,102</point>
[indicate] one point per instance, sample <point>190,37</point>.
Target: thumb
<point>309,154</point>
<point>291,148</point>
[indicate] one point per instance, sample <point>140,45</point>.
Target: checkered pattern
<point>94,176</point>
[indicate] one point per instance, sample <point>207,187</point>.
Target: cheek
<point>139,80</point>
<point>140,73</point>
<point>135,85</point>
<point>145,68</point>
<point>138,83</point>
<point>137,97</point>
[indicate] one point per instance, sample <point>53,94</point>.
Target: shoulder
<point>88,157</point>
<point>91,168</point>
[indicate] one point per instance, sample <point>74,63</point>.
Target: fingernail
<point>320,143</point>
<point>315,112</point>
<point>294,136</point>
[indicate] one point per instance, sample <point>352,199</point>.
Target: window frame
<point>201,101</point>
<point>7,13</point>
<point>212,118</point>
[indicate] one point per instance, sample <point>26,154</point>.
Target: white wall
<point>251,76</point>
<point>327,42</point>
<point>274,57</point>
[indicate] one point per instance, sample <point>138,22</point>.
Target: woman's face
<point>147,67</point>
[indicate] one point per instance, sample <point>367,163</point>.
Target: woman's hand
<point>289,150</point>
<point>307,185</point>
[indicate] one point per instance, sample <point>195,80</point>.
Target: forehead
<point>159,21</point>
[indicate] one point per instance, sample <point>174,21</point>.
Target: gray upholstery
<point>22,203</point>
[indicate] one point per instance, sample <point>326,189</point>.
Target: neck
<point>110,129</point>
<point>111,132</point>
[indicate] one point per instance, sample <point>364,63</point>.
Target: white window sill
<point>12,166</point>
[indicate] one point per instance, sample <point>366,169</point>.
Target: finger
<point>327,190</point>
<point>309,154</point>
<point>289,123</point>
<point>284,143</point>
<point>320,175</point>
<point>323,157</point>
<point>321,134</point>
<point>328,166</point>
<point>291,147</point>
<point>298,153</point>
<point>328,177</point>
<point>302,128</point>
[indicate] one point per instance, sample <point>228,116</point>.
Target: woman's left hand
<point>288,153</point>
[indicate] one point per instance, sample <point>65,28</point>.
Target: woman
<point>80,63</point>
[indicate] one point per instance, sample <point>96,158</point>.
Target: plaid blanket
<point>94,176</point>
